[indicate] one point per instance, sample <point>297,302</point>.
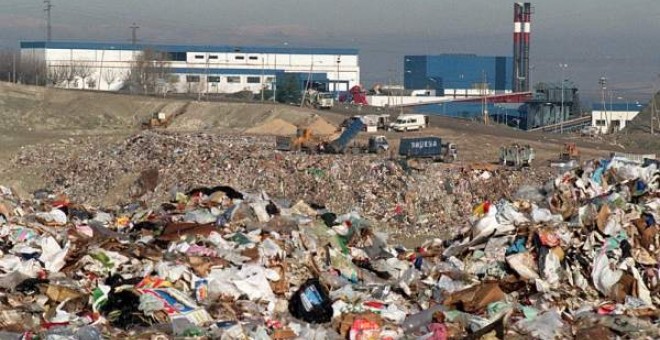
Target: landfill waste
<point>224,262</point>
<point>404,204</point>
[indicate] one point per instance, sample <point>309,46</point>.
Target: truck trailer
<point>428,147</point>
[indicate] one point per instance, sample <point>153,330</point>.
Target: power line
<point>48,6</point>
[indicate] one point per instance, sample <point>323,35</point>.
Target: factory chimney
<point>522,15</point>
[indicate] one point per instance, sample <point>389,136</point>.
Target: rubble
<point>106,175</point>
<point>278,253</point>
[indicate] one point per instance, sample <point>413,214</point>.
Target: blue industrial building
<point>458,74</point>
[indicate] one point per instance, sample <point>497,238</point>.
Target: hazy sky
<point>617,39</point>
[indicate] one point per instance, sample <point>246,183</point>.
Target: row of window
<point>228,79</point>
<point>215,57</point>
<point>603,122</point>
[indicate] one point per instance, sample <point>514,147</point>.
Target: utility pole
<point>485,100</point>
<point>134,29</point>
<point>13,65</point>
<point>47,7</point>
<point>263,81</point>
<point>563,81</point>
<point>603,87</point>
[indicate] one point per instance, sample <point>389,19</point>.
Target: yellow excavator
<point>304,140</point>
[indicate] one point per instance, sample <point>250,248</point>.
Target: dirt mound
<point>277,127</point>
<point>322,127</point>
<point>41,109</point>
<point>637,133</point>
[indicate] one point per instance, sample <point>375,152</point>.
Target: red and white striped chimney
<point>527,22</point>
<point>517,46</point>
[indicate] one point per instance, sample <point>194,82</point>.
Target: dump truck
<point>517,155</point>
<point>319,100</point>
<point>340,144</point>
<point>429,148</point>
<point>305,141</point>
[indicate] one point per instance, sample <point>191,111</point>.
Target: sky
<point>616,39</point>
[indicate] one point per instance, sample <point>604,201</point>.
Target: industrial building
<point>189,68</point>
<point>470,75</point>
<point>613,117</point>
<point>459,75</point>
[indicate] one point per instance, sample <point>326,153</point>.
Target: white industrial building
<point>613,117</point>
<point>194,69</point>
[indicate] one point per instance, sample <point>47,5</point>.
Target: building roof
<point>454,56</point>
<point>623,107</point>
<point>82,45</point>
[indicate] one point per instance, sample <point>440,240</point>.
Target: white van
<point>410,123</point>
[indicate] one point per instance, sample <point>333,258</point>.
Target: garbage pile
<point>151,165</point>
<point>576,258</point>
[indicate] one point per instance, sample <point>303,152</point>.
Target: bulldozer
<point>569,157</point>
<point>303,140</point>
<point>570,152</point>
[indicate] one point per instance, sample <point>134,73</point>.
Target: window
<point>616,124</point>
<point>214,79</point>
<point>270,80</point>
<point>600,122</point>
<point>234,80</point>
<point>253,80</point>
<point>199,56</point>
<point>254,57</point>
<point>239,57</point>
<point>177,56</point>
<point>214,57</point>
<point>192,79</point>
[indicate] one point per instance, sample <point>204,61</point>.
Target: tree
<point>58,74</point>
<point>32,71</point>
<point>110,76</point>
<point>150,69</point>
<point>8,61</point>
<point>289,90</point>
<point>81,70</point>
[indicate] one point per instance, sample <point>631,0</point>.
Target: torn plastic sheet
<point>603,276</point>
<point>52,254</point>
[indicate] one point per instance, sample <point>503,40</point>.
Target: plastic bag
<point>547,326</point>
<point>603,276</point>
<point>311,303</point>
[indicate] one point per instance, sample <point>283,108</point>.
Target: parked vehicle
<point>319,100</point>
<point>589,131</point>
<point>410,122</point>
<point>372,123</point>
<point>428,147</point>
<point>517,155</point>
